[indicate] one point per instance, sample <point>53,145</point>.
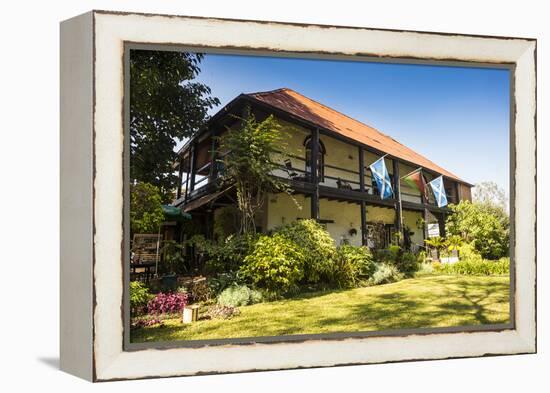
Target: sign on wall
<point>433,230</point>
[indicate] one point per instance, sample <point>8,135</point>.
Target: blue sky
<point>456,116</point>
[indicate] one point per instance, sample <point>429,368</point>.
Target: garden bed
<point>428,301</point>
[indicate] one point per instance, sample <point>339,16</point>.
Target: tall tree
<point>146,212</point>
<point>485,226</point>
<point>490,192</point>
<point>250,155</point>
<point>166,105</point>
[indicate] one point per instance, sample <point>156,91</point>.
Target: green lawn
<point>429,301</point>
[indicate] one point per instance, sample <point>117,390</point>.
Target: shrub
<point>405,262</point>
<point>222,281</point>
<point>426,268</point>
<point>467,252</point>
<point>198,291</point>
<point>421,257</point>
<point>485,225</point>
<point>167,303</point>
<point>226,255</point>
<point>276,264</point>
<point>146,212</point>
<point>239,295</point>
<point>173,260</point>
<point>317,247</point>
<point>475,267</point>
<point>352,265</point>
<point>385,274</point>
<point>139,296</point>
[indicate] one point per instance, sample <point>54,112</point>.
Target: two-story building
<point>328,171</point>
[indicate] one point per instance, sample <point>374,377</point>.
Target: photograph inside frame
<point>278,196</point>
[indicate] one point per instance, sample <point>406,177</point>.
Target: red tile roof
<point>322,116</point>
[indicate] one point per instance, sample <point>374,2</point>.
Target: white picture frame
<point>92,194</point>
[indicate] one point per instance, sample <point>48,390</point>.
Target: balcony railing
<point>294,169</point>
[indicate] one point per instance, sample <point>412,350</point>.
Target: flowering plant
<point>167,303</point>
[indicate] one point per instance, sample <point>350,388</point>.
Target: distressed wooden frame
<point>93,192</point>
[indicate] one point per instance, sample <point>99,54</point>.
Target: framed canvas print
<point>246,195</point>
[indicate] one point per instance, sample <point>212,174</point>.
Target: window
<point>320,161</point>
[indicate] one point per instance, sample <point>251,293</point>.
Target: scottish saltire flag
<point>439,191</point>
<point>382,177</point>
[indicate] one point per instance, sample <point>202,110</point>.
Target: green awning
<point>175,213</point>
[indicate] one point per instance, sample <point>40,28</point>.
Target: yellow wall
<point>341,155</point>
<point>380,214</point>
<point>345,216</point>
<point>410,219</point>
<point>282,210</point>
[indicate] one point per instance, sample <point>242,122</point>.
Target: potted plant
<point>173,263</point>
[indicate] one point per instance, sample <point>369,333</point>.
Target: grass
<point>428,301</point>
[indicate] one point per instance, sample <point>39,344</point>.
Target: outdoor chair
<point>344,185</point>
<point>290,170</point>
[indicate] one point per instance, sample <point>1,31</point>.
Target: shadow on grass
<point>463,303</point>
<point>433,301</point>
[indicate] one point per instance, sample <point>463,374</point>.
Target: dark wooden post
<point>213,158</point>
<point>314,173</point>
<point>362,189</point>
<point>441,222</point>
<point>180,179</point>
<point>192,166</point>
<point>188,175</point>
<point>397,196</point>
<point>425,223</point>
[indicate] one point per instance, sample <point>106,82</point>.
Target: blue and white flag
<point>439,191</point>
<point>382,177</point>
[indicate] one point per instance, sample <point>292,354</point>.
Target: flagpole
<point>399,205</point>
<point>384,156</point>
<point>410,173</point>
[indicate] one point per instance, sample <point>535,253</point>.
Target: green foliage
<point>276,264</point>
<point>249,159</point>
<point>239,295</point>
<point>486,226</point>
<point>425,268</point>
<point>436,242</point>
<point>226,222</point>
<point>421,257</point>
<point>222,281</point>
<point>316,244</point>
<point>468,252</point>
<point>453,243</point>
<point>405,262</point>
<point>198,291</point>
<point>225,255</point>
<point>385,274</point>
<point>476,267</point>
<point>139,296</point>
<point>352,266</point>
<point>408,264</point>
<point>146,213</point>
<point>166,104</point>
<point>173,259</point>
